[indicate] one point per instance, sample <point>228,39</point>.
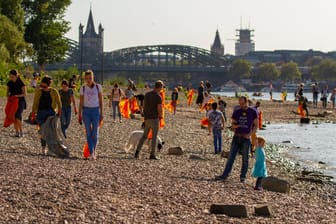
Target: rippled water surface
<point>309,144</point>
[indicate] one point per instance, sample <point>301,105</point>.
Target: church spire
<point>217,47</point>
<point>90,28</point>
<point>217,43</point>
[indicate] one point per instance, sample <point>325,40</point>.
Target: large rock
<point>263,210</point>
<point>229,210</point>
<point>178,151</point>
<point>276,185</point>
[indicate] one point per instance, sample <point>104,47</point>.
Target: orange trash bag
<point>10,110</point>
<point>260,118</point>
<point>124,108</point>
<point>86,151</point>
<point>170,107</point>
<point>301,111</point>
<point>134,105</point>
<point>205,122</point>
<point>150,134</point>
<point>190,96</point>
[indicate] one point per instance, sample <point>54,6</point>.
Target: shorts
<point>21,108</point>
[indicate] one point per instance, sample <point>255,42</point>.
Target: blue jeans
<point>41,117</point>
<point>242,145</point>
<point>115,106</point>
<point>91,118</point>
<point>65,119</point>
<point>217,134</point>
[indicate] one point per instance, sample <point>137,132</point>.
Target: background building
<point>244,43</point>
<point>91,45</point>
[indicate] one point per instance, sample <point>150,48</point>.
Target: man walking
<point>244,123</point>
<point>152,115</point>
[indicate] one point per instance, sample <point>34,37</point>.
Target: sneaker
<point>258,189</point>
<point>242,180</point>
<point>21,134</point>
<point>120,121</point>
<point>17,135</point>
<point>153,157</point>
<point>114,121</point>
<point>221,178</point>
<point>136,155</point>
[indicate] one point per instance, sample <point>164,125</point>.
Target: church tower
<point>91,44</point>
<point>217,47</point>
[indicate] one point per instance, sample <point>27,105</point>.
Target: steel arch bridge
<point>152,58</point>
<point>164,58</point>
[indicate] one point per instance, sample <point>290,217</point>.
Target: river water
<point>309,144</point>
<point>266,96</point>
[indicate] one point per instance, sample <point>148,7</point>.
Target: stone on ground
<point>178,151</point>
<point>263,210</point>
<point>276,184</point>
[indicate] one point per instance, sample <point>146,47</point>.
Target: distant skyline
<point>286,24</point>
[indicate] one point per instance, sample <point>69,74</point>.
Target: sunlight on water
<point>309,144</point>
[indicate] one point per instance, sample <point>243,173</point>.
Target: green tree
<point>290,72</point>
<point>267,72</point>
<point>326,70</point>
<point>240,69</point>
<point>13,10</point>
<point>45,29</point>
<point>11,39</point>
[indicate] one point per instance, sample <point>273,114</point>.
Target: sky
<point>285,24</point>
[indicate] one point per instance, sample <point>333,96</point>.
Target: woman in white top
<point>91,110</point>
<point>116,95</point>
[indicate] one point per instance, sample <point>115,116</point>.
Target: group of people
<point>51,102</point>
<point>245,122</point>
<point>324,95</point>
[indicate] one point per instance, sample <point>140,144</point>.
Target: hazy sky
<point>285,24</point>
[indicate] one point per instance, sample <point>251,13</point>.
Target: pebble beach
<point>116,188</point>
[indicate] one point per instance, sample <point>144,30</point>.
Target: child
<point>259,170</point>
<point>216,123</point>
<point>222,106</point>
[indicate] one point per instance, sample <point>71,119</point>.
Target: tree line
<point>34,30</point>
<point>323,69</point>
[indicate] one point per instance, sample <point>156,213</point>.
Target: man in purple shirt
<point>244,123</point>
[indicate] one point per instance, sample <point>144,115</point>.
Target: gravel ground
<point>119,189</point>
